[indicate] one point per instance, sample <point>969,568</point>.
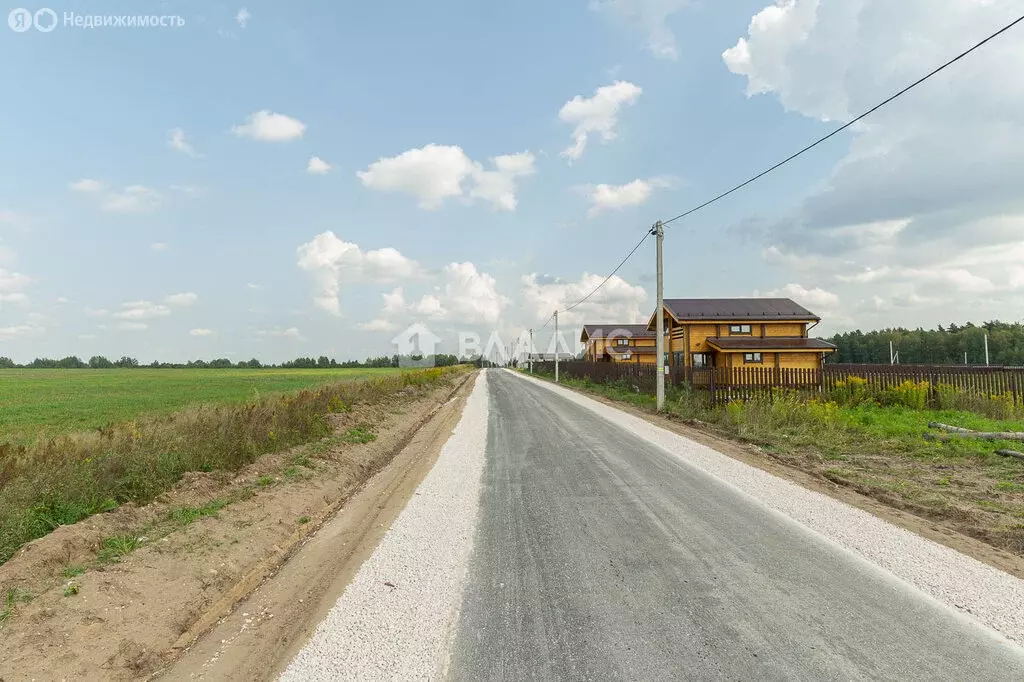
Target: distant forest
<point>942,346</point>
<point>323,362</point>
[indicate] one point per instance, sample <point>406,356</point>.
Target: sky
<point>275,180</point>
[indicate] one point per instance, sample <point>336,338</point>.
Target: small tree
<point>126,361</point>
<point>6,363</point>
<point>100,362</point>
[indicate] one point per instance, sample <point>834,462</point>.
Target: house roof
<point>739,309</point>
<point>745,343</point>
<point>608,331</point>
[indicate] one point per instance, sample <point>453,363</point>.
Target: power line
<point>806,149</point>
<point>835,132</point>
<point>603,282</point>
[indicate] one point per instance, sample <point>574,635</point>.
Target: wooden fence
<point>743,383</point>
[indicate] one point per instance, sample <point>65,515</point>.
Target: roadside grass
<point>184,516</point>
<point>59,481</point>
<point>877,450</point>
<point>72,571</point>
<point>361,434</point>
<point>10,602</point>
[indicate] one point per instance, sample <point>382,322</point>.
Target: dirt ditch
<point>75,609</point>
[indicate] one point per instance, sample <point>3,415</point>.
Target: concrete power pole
<point>986,350</point>
<point>556,346</point>
<point>529,352</point>
<point>659,345</point>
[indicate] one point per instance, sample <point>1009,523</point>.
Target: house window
<point>752,358</point>
<point>739,329</point>
<point>621,342</point>
<point>627,356</point>
<point>700,360</point>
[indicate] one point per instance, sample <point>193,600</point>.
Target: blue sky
<point>155,184</point>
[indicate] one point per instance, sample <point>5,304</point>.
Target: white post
<point>986,350</point>
<point>659,345</point>
<point>530,352</point>
<point>892,358</point>
<point>556,346</point>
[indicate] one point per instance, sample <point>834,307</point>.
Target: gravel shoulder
<point>193,555</point>
<point>610,548</point>
<point>268,628</point>
<point>394,619</point>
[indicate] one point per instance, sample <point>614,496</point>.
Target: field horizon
<point>53,402</point>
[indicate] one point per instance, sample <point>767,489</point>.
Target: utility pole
<point>986,350</point>
<point>659,345</point>
<point>529,352</point>
<point>556,346</point>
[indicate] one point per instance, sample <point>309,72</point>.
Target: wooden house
<point>741,332</point>
<point>618,343</point>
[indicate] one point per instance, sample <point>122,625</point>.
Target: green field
<point>37,402</point>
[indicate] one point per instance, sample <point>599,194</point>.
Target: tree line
<point>322,362</point>
<point>945,345</point>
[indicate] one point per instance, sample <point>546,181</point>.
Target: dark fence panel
<point>743,383</point>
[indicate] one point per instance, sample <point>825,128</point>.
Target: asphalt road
<point>600,556</point>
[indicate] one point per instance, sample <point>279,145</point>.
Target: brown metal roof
<point>754,309</point>
<point>618,331</point>
<point>769,343</point>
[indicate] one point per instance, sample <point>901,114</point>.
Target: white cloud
<point>617,302</point>
<point>87,185</point>
<point>268,126</point>
<point>291,333</point>
<point>615,197</point>
<point>378,325</point>
<point>141,310</point>
<point>435,173</point>
<point>181,300</point>
<point>498,186</point>
<point>648,16</point>
<point>332,262</point>
<point>472,296</point>
<point>176,140</point>
<point>12,287</point>
<point>12,332</point>
<point>318,166</point>
<point>201,332</point>
<point>242,18</point>
<point>597,114</point>
<point>131,199</point>
<point>462,295</point>
<point>394,303</point>
<point>63,299</point>
<point>133,326</point>
<point>430,306</point>
<point>432,173</point>
<point>158,246</point>
<point>253,286</point>
<point>920,211</point>
<point>95,312</point>
<point>816,299</point>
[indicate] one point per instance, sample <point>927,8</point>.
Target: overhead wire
<point>846,125</point>
<point>789,158</point>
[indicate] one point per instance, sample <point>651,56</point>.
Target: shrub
<point>908,394</point>
<point>851,391</point>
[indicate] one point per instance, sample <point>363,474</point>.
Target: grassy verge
<point>875,449</point>
<point>60,481</point>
